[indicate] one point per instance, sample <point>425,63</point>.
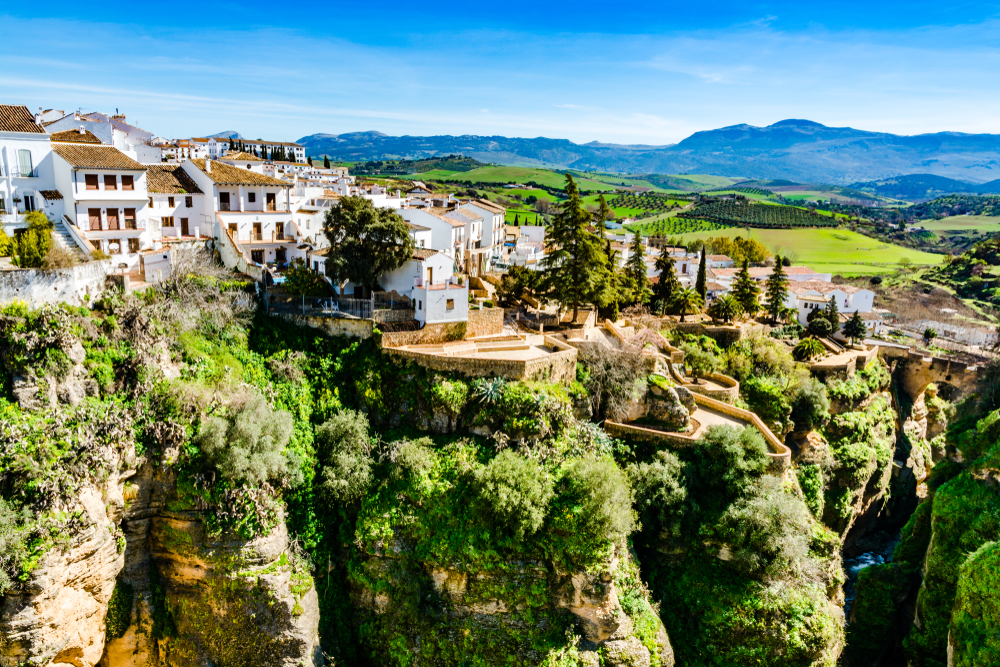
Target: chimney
<point>208,166</point>
<point>81,130</point>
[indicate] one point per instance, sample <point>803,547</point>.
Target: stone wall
<point>78,285</point>
<point>722,334</point>
<point>728,392</point>
<point>485,322</point>
<point>334,326</point>
<point>394,315</point>
<point>431,333</point>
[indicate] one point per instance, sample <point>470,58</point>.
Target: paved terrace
<point>520,349</point>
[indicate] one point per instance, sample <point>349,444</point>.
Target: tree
<point>575,267</point>
<point>699,362</point>
<point>32,247</point>
<point>603,214</point>
<point>776,290</point>
<point>343,451</point>
<point>819,325</point>
<point>635,271</point>
<point>301,281</point>
<point>326,161</point>
<point>832,314</point>
<point>514,283</point>
<point>688,302</point>
<point>701,283</point>
<point>365,242</point>
<point>725,308</point>
<point>810,405</point>
<point>929,335</point>
<point>603,491</point>
<point>746,290</point>
<point>514,492</point>
<point>667,287</point>
<point>808,348</point>
<point>855,328</point>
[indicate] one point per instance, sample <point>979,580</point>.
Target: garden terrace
<point>526,357</point>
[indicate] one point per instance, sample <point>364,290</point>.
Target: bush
<point>660,491</point>
<point>33,245</point>
<point>820,326</point>
<point>810,406</point>
<point>343,448</point>
<point>249,444</point>
<point>603,491</point>
<point>698,361</point>
<point>59,257</point>
<point>731,460</point>
<point>13,543</point>
<point>514,493</point>
<point>767,531</point>
<point>765,396</point>
<point>975,623</point>
<point>414,457</point>
<point>301,281</point>
<point>811,481</point>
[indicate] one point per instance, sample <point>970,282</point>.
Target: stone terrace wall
<point>730,388</point>
<point>334,326</point>
<point>430,334</point>
<point>73,285</point>
<point>485,322</point>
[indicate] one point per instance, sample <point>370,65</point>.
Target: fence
<point>329,306</point>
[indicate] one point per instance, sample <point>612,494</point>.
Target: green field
<point>980,223</point>
<point>830,250</point>
<point>552,179</point>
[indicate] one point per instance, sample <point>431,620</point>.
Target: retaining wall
<point>394,315</point>
<point>485,322</point>
<point>431,333</point>
<point>77,285</point>
<point>728,393</point>
<point>334,326</point>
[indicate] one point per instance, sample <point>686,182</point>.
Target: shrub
<point>34,244</point>
<point>614,379</point>
<point>605,497</point>
<point>699,362</point>
<point>414,456</point>
<point>59,257</point>
<point>660,492</point>
<point>811,481</point>
<point>14,549</point>
<point>450,395</point>
<point>765,396</point>
<point>514,493</point>
<point>249,444</point>
<point>301,281</point>
<point>767,531</point>
<point>810,406</point>
<point>975,623</point>
<point>730,460</point>
<point>820,326</point>
<point>343,448</point>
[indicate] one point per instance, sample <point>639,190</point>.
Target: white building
<point>112,131</point>
<point>176,203</point>
<point>219,147</point>
<point>760,273</point>
<point>810,295</point>
<point>25,165</point>
<point>105,198</point>
<point>447,235</point>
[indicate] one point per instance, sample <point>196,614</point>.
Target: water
<point>880,552</point>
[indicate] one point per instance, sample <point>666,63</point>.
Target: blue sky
<point>629,73</point>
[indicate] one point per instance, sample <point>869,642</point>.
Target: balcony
<point>226,206</point>
<point>17,173</point>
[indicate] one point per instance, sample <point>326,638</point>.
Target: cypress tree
<point>701,283</point>
<point>326,161</point>
<point>516,222</point>
<point>833,314</point>
<point>776,290</point>
<point>667,287</point>
<point>855,328</point>
<point>635,270</point>
<point>573,270</point>
<point>746,290</point>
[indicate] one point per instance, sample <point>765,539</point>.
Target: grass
<point>837,251</point>
<point>965,223</point>
<point>553,179</point>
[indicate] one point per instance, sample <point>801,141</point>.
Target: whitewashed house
<point>447,235</point>
<point>25,165</point>
<point>176,203</point>
<point>105,199</point>
<point>811,295</point>
<point>112,130</point>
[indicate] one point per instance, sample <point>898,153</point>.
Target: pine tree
<point>668,285</point>
<point>701,283</point>
<point>833,314</point>
<point>776,290</point>
<point>855,328</point>
<point>635,271</point>
<point>575,268</point>
<point>746,290</point>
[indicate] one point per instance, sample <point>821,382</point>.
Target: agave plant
<point>489,390</point>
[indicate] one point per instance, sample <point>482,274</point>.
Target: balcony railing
<point>17,173</point>
<point>226,206</point>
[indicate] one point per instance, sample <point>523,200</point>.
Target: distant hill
<point>922,187</point>
<point>228,134</point>
<point>796,150</point>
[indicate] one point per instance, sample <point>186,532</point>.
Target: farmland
<point>647,202</point>
<point>548,178</point>
<point>965,223</point>
<point>742,213</point>
<point>837,251</point>
<point>673,226</point>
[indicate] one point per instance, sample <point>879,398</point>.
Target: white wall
<point>195,213</point>
<point>442,232</point>
<point>432,305</point>
<point>12,184</point>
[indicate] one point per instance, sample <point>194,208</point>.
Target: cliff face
<point>57,618</point>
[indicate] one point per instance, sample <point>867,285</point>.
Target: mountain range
<point>799,150</point>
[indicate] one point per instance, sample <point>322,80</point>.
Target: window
<point>251,197</point>
<point>420,305</point>
<point>91,181</point>
<point>280,255</point>
<point>224,201</point>
<point>257,232</point>
<point>133,245</point>
<point>168,221</point>
<point>130,219</point>
<point>128,182</point>
<point>449,304</point>
<point>112,218</point>
<point>257,256</point>
<point>189,202</point>
<point>94,216</point>
<point>3,205</point>
<point>279,231</point>
<point>114,247</point>
<point>110,182</point>
<point>29,203</point>
<point>170,202</point>
<point>24,163</point>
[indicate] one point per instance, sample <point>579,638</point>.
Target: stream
<point>879,550</point>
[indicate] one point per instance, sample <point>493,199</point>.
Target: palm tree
<point>725,308</point>
<point>688,301</point>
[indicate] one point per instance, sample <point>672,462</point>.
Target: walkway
<point>708,417</point>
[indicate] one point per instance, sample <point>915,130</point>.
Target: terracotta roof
<point>75,137</point>
<point>821,286</point>
<point>321,252</point>
<point>489,206</point>
<point>720,258</point>
<point>227,174</point>
<point>764,271</point>
<point>18,119</point>
<point>465,213</point>
<point>439,213</point>
<point>416,228</point>
<point>170,179</point>
<point>242,157</point>
<point>51,195</point>
<point>423,253</point>
<point>96,157</point>
<point>714,287</point>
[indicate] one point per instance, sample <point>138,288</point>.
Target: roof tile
<point>96,157</point>
<point>18,119</point>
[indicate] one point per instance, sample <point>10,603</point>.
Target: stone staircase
<point>61,237</point>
